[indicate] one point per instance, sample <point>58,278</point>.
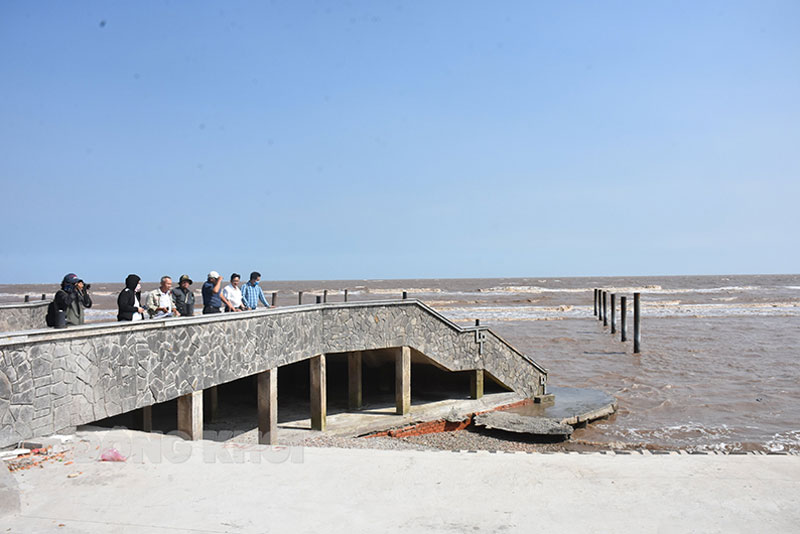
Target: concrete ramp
<point>51,380</point>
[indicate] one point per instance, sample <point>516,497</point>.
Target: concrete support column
<point>144,419</point>
<point>190,415</point>
<point>402,380</point>
<point>268,407</point>
<point>210,403</point>
<point>354,391</point>
<point>476,384</point>
<point>319,393</point>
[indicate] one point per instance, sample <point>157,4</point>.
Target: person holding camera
<point>72,298</point>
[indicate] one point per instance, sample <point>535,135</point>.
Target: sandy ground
<point>170,485</point>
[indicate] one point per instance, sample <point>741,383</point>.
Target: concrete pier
<point>319,392</point>
<point>83,374</point>
<point>190,415</point>
<point>476,384</point>
<point>402,380</point>
<point>354,385</point>
<point>268,407</point>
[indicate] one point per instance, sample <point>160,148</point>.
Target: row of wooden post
<point>320,299</point>
<point>601,298</point>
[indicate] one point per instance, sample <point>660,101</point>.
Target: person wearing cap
<point>73,297</point>
<point>184,297</point>
<point>212,296</point>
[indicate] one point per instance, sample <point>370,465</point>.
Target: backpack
<point>50,318</point>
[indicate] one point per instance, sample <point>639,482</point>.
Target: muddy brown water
<point>720,361</point>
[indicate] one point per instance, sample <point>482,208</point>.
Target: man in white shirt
<point>232,295</point>
<point>160,302</point>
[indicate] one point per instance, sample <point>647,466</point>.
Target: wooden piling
<point>319,299</point>
<point>44,296</point>
<point>274,298</point>
<point>299,297</point>
<point>623,318</point>
<point>345,295</point>
<point>595,302</point>
<point>613,313</point>
<point>637,332</point>
<point>599,304</point>
<point>325,296</point>
<point>605,308</point>
<point>27,298</point>
<point>405,295</point>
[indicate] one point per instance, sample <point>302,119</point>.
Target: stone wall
<point>23,316</point>
<point>51,380</point>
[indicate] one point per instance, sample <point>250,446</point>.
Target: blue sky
<point>333,140</point>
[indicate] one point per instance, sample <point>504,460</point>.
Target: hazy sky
<point>314,140</point>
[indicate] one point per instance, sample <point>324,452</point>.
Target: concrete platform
<point>572,406</point>
<point>215,487</point>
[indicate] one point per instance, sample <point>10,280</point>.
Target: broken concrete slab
<point>523,424</point>
<point>572,406</point>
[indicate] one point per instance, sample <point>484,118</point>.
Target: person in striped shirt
<point>252,293</point>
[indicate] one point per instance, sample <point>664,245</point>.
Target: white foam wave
<point>657,309</point>
<point>783,441</point>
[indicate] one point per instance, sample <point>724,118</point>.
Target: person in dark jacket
<point>184,298</point>
<point>72,298</point>
<point>129,300</point>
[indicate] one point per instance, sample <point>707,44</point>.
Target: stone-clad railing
<point>23,316</point>
<point>51,380</point>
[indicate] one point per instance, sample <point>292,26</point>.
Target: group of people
<point>164,301</point>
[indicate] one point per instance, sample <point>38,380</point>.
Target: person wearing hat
<point>212,296</point>
<point>73,297</point>
<point>184,297</point>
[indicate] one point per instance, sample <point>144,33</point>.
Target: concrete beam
<point>190,415</point>
<point>319,393</point>
<point>354,391</point>
<point>402,380</point>
<point>476,384</point>
<point>268,407</point>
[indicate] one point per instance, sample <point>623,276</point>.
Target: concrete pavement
<point>170,485</point>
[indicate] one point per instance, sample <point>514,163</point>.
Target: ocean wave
<point>647,289</point>
<point>784,441</point>
<point>649,309</point>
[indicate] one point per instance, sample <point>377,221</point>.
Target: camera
<point>87,287</point>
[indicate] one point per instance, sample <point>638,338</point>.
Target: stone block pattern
<point>23,316</point>
<point>67,378</point>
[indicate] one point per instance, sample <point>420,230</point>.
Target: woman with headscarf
<point>129,300</point>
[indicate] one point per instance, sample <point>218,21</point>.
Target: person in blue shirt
<point>212,298</point>
<point>252,293</point>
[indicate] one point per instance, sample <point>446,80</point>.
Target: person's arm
<point>225,301</point>
<point>175,311</point>
<point>261,297</point>
<point>245,305</point>
<point>153,300</point>
<point>87,300</point>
